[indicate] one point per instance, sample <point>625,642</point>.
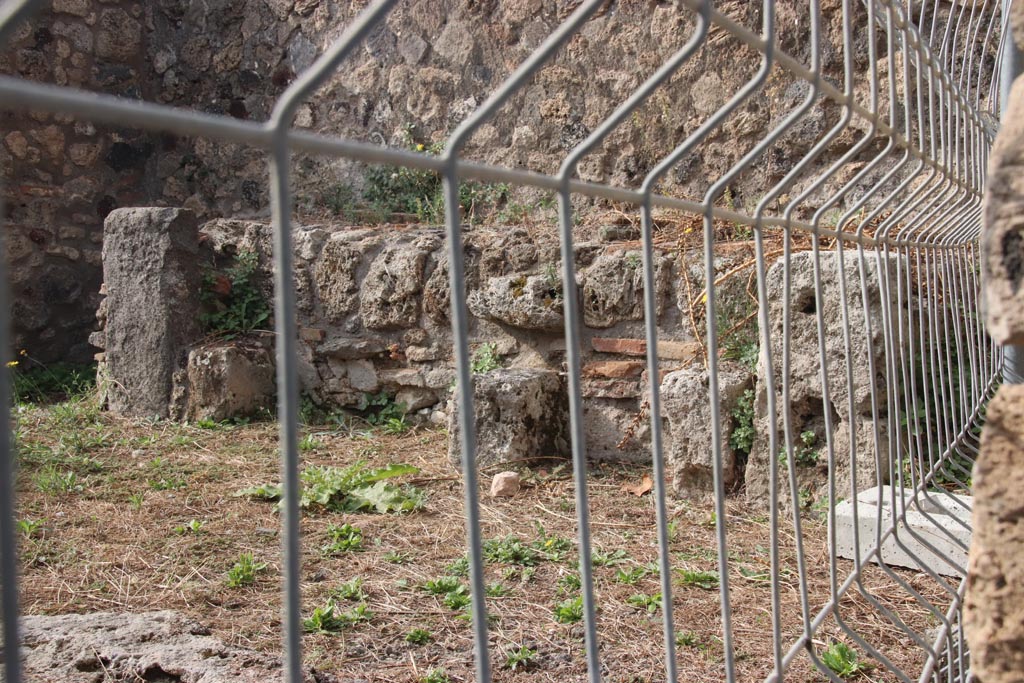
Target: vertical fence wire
<point>897,239</point>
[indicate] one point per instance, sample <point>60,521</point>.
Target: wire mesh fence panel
<point>848,286</point>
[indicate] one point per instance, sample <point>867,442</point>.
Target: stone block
<point>1002,238</point>
<point>150,258</point>
<point>686,407</point>
<point>229,380</point>
<point>940,520</point>
<point>519,415</point>
<point>614,369</point>
<point>613,288</point>
<point>531,302</point>
<point>352,348</point>
<point>994,604</point>
<point>806,407</point>
<point>667,349</point>
<point>391,294</point>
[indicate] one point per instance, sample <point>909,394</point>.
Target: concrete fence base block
<point>940,520</point>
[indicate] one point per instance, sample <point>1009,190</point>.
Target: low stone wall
<point>374,318</point>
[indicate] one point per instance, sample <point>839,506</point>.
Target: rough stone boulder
<point>150,269</point>
<point>686,407</point>
<point>1003,238</point>
<point>520,415</point>
<point>806,408</point>
<point>613,288</point>
<point>994,604</point>
<point>229,380</point>
<point>153,646</point>
<point>529,302</point>
<point>335,276</point>
<point>393,289</point>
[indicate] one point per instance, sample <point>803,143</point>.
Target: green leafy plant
<point>687,639</point>
<point>194,526</point>
<point>497,590</point>
<point>697,578</point>
<point>804,455</point>
<point>553,548</point>
<point>458,567</point>
<point>395,557</point>
<point>135,500</point>
<point>741,439</point>
<point>343,539</point>
<point>309,443</point>
<point>519,658</point>
<point>651,603</point>
<point>485,358</point>
<point>600,558</point>
<point>418,636</point>
<point>436,676</point>
<point>457,599</point>
<point>29,527</point>
<point>243,572</point>
<point>510,550</point>
<point>843,660</point>
<point>442,585</point>
<point>350,489</point>
<point>232,301</point>
<point>569,611</point>
<point>34,382</point>
<point>324,620</point>
<point>570,583</point>
<point>630,576</point>
<point>350,590</point>
<point>54,481</point>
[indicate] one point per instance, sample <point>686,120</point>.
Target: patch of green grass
<point>34,382</point>
<point>510,550</point>
<point>343,538</point>
<point>418,636</point>
<point>519,657</point>
<point>243,572</point>
<point>136,500</point>
<point>54,481</point>
<point>698,579</point>
<point>569,611</point>
<point>570,583</point>
<point>442,585</point>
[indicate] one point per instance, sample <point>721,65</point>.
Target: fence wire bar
<point>892,222</point>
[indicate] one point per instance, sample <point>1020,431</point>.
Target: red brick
<point>615,369</point>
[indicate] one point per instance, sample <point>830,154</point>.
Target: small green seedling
<point>194,526</point>
<point>497,590</point>
<point>457,599</point>
<point>244,571</point>
<point>651,603</point>
<point>687,639</point>
<point>570,583</point>
<point>442,585</point>
<point>324,620</point>
<point>519,658</point>
<point>436,676</point>
<point>309,443</point>
<point>350,590</point>
<point>606,559</point>
<point>569,611</point>
<point>699,579</point>
<point>630,576</point>
<point>135,500</point>
<point>458,567</point>
<point>395,557</point>
<point>28,527</point>
<point>418,636</point>
<point>510,550</point>
<point>343,538</point>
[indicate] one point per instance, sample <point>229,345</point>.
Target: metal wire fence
<point>893,216</point>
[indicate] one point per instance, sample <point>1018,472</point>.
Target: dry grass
<point>117,544</point>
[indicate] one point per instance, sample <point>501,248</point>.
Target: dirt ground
<point>119,515</point>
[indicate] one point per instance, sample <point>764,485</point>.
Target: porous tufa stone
<point>505,484</point>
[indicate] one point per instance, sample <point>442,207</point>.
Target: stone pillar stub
<point>1003,234</point>
<point>994,607</point>
<point>151,272</point>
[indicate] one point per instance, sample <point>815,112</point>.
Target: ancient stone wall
<point>374,318</point>
<point>430,65</point>
<point>61,177</point>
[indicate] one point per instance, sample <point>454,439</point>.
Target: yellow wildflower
<point>12,363</point>
<point>420,147</point>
